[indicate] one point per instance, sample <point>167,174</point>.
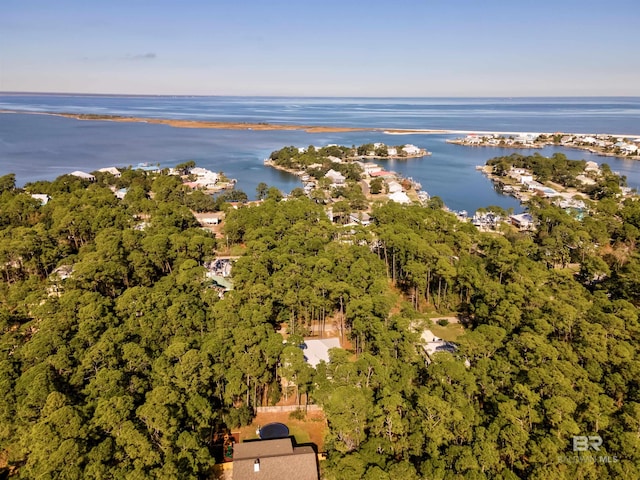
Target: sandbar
<point>177,123</point>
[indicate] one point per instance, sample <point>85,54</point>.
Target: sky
<point>425,48</point>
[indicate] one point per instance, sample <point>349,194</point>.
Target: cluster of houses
<point>525,179</point>
<point>520,140</point>
<point>396,191</point>
<point>407,150</point>
<point>404,151</point>
<point>487,221</point>
<point>199,179</point>
<point>603,143</point>
<point>600,144</point>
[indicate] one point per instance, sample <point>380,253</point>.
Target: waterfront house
<point>400,197</point>
<point>522,221</point>
<point>591,166</point>
<point>394,186</point>
<point>525,138</point>
<point>526,179</point>
<point>336,177</point>
<point>368,167</point>
<point>411,149</point>
<point>112,170</point>
<point>382,173</point>
<point>83,175</point>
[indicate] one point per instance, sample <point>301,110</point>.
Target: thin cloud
<point>127,57</point>
<point>142,56</point>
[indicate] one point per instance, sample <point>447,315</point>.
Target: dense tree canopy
<point>118,359</point>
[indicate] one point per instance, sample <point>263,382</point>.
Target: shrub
<point>298,414</point>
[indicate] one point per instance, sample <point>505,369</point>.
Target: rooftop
<point>274,460</point>
<point>318,349</point>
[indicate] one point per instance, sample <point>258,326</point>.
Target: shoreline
<point>264,126</point>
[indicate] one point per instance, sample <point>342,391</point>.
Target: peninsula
<point>608,145</point>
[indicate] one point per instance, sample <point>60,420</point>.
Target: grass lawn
<point>449,333</point>
<point>301,435</point>
<point>310,430</point>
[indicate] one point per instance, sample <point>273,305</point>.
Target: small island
<point>334,172</point>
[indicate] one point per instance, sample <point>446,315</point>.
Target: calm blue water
<point>43,147</point>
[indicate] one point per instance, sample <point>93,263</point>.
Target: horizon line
<point>186,95</point>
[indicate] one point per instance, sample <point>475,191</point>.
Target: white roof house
<point>399,197</point>
<point>83,175</point>
<point>433,344</point>
<point>112,170</point>
<point>368,167</point>
<point>526,179</point>
<point>411,149</point>
<point>204,178</point>
<point>317,350</point>
<point>42,197</point>
<point>591,166</point>
<point>523,221</point>
<point>335,177</point>
<point>394,186</point>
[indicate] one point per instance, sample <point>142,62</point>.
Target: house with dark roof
<point>274,460</point>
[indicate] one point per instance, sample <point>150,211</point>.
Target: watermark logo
<point>586,443</point>
<point>583,443</point>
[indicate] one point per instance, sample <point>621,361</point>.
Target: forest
<point>118,358</point>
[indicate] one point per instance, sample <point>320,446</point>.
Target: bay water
<point>42,147</point>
